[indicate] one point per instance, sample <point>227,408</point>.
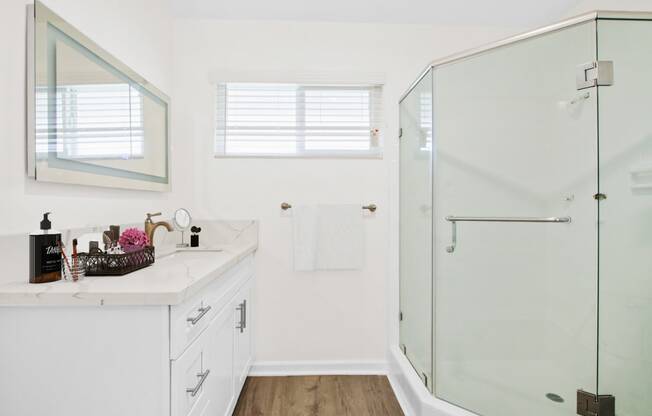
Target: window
<point>290,120</point>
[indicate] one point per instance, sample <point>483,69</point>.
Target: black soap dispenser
<point>45,253</point>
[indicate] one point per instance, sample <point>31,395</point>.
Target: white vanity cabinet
<point>202,377</point>
<point>184,359</point>
<point>208,376</point>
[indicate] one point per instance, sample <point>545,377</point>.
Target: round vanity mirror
<point>182,221</point>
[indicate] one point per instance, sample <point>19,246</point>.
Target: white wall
<point>323,315</point>
<point>136,32</point>
<point>590,5</point>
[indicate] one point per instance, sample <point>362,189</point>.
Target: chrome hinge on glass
<point>589,404</point>
<point>404,348</point>
<point>595,73</point>
<point>425,379</point>
<point>400,133</point>
<point>400,316</point>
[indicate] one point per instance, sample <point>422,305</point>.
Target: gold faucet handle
<point>149,216</point>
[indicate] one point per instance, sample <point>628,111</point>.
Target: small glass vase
<point>75,269</point>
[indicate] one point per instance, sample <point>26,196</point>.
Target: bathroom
<point>343,278</point>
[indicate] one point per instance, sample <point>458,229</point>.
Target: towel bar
<point>371,207</point>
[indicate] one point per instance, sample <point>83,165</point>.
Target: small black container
<point>194,238</point>
<point>45,254</point>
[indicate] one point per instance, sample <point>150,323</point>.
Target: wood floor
<point>317,396</point>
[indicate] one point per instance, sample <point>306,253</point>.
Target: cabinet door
<point>220,357</point>
<point>243,307</point>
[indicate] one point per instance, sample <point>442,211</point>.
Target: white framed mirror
<point>91,119</point>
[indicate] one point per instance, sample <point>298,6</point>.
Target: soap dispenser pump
<point>45,253</point>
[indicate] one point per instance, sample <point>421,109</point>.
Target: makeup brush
<point>75,261</point>
<point>65,258</point>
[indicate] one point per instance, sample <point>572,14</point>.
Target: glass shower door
<point>415,222</point>
<point>626,217</point>
<point>515,254</point>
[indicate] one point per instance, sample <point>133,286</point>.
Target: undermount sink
<point>198,250</point>
<point>190,253</point>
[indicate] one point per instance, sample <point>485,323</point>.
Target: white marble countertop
<point>169,281</point>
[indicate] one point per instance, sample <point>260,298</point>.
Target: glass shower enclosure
<point>526,222</point>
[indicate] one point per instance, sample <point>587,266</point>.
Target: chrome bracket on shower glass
<point>451,248</point>
<point>589,404</point>
<point>592,74</point>
<point>454,219</point>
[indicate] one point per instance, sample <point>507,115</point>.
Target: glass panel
<point>625,365</point>
<point>416,227</point>
<point>515,302</point>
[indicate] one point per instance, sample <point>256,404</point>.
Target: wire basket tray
<point>103,264</point>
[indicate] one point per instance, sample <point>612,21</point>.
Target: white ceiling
<point>458,12</point>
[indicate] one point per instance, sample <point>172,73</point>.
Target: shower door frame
<point>592,16</point>
<point>427,381</point>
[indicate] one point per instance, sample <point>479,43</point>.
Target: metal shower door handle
<point>454,220</point>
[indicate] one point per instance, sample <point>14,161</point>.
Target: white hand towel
<point>304,220</point>
<point>328,237</point>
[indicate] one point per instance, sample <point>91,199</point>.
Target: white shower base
<point>524,395</point>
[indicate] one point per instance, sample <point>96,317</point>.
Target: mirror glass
<point>95,121</point>
<point>182,219</point>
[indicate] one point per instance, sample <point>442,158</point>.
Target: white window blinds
<point>254,119</point>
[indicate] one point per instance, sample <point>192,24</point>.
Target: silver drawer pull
<point>243,316</point>
<point>202,311</point>
<point>244,313</point>
<point>202,377</point>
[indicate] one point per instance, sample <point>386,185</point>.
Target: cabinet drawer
<point>190,378</point>
<point>202,377</point>
<point>189,319</point>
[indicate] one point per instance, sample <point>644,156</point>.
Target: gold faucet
<point>151,226</point>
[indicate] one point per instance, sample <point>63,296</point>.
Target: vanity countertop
<point>171,280</point>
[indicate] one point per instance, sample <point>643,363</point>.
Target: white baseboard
<point>309,368</point>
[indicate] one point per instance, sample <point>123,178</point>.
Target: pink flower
<point>133,239</point>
